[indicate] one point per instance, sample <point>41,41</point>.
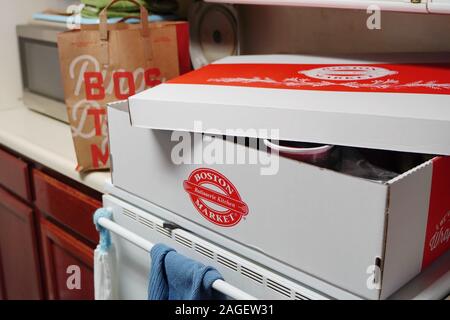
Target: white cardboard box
<point>392,106</point>
<point>366,237</point>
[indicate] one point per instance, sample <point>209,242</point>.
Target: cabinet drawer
<point>14,175</point>
<point>69,265</point>
<point>66,205</point>
<point>19,258</point>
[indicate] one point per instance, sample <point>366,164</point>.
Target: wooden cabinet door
<point>14,175</point>
<point>67,205</point>
<point>2,288</point>
<point>69,265</point>
<point>20,278</point>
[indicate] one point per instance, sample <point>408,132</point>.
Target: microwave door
<point>41,76</point>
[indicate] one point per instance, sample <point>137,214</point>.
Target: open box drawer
<point>364,236</point>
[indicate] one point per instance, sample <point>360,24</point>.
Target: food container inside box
<point>319,154</point>
<point>366,222</point>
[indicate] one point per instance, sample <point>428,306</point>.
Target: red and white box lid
<point>397,102</point>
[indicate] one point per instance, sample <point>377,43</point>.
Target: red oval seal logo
<point>215,197</point>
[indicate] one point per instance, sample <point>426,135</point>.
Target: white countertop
<point>46,141</point>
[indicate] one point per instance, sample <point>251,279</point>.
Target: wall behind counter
<point>269,29</point>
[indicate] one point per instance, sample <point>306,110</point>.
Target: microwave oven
<point>41,77</point>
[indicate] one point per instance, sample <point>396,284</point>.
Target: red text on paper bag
<point>95,89</point>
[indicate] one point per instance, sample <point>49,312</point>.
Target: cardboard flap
<point>400,103</point>
<point>407,221</point>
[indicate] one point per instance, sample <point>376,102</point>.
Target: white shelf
<point>439,6</point>
<point>425,6</point>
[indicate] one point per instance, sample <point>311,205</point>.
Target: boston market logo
<point>348,73</point>
<point>215,197</point>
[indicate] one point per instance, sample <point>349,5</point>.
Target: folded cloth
<point>119,6</point>
<point>176,277</point>
<point>163,6</point>
<point>105,277</point>
<point>92,12</point>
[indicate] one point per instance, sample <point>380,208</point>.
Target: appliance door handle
<point>219,285</point>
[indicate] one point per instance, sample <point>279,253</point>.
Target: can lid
<point>399,102</point>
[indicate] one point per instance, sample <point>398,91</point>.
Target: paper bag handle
<point>103,29</point>
<point>104,19</point>
<point>124,19</point>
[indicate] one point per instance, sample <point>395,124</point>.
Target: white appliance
<point>137,221</point>
<point>250,278</point>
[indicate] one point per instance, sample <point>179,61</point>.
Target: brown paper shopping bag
<point>109,62</point>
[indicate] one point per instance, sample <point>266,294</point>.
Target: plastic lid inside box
<point>399,102</point>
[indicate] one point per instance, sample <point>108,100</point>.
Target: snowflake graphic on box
<point>302,82</point>
<point>356,77</point>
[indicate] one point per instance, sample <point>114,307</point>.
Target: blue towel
<point>175,277</point>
